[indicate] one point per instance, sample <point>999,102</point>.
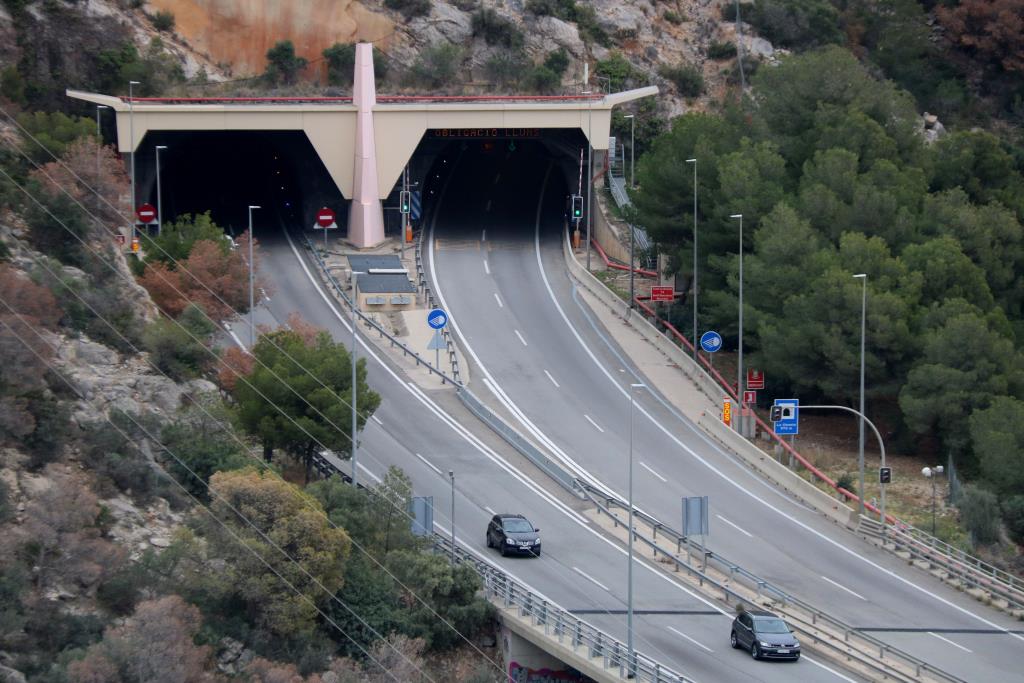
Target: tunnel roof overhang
<point>329,123</point>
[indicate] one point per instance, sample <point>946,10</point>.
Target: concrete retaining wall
<point>779,474</point>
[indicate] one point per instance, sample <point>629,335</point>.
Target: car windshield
<point>517,526</point>
<point>771,625</point>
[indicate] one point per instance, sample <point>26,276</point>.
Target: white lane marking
<point>646,467</point>
<point>823,537</point>
<point>589,578</point>
<point>437,411</point>
<point>490,510</point>
<point>367,471</point>
<point>680,633</point>
<point>951,642</point>
<point>498,299</point>
<point>428,463</point>
<point>487,268</point>
<point>488,205</point>
<point>521,338</point>
<point>832,671</point>
<point>552,379</point>
<point>596,426</point>
<point>839,585</point>
<point>735,526</point>
<point>375,419</point>
<point>497,178</point>
<point>483,235</point>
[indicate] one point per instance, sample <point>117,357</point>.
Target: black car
<point>513,534</point>
<point>765,635</point>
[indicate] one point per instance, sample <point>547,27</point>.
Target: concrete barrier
<point>779,474</point>
<point>704,382</point>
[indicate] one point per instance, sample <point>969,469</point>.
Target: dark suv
<point>764,635</point>
<point>513,534</point>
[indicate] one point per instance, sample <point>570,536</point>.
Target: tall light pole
<point>451,476</point>
<point>590,166</point>
<point>630,666</point>
<point>159,194</point>
<point>739,45</point>
<point>99,149</point>
<point>355,384</point>
<point>131,136</point>
<point>860,443</point>
<point>632,157</point>
<point>694,338</point>
<point>739,366</point>
<point>932,473</point>
<point>632,230</point>
<point>252,287</point>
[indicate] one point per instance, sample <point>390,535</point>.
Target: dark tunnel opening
<point>224,172</point>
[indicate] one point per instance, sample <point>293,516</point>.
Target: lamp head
<point>251,207</point>
<point>938,469</point>
<point>926,471</point>
<point>861,275</point>
<point>161,146</point>
<point>133,83</point>
<point>736,215</point>
<point>629,116</point>
<point>691,161</point>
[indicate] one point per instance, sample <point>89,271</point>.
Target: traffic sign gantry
<point>325,217</point>
<point>437,319</point>
<point>146,213</point>
<point>711,341</point>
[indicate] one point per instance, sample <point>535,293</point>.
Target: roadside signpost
<point>146,213</point>
<point>755,379</point>
<point>695,521</point>
<point>326,219</point>
<point>662,294</point>
<point>727,411</point>
<point>711,342</point>
<point>750,397</point>
<point>437,319</point>
<point>789,416</point>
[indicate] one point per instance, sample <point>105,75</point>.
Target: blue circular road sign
<point>437,319</point>
<point>711,341</point>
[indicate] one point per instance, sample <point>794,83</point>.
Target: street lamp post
<point>355,385</point>
<point>860,449</point>
<point>739,366</point>
<point>252,287</point>
<point>131,136</point>
<point>159,194</point>
<point>451,476</point>
<point>99,149</point>
<point>632,156</point>
<point>694,337</point>
<point>630,666</point>
<point>590,167</point>
<point>932,473</point>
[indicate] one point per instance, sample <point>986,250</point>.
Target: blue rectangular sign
<point>790,422</point>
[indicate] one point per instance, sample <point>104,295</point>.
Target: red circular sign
<point>146,213</point>
<point>325,217</point>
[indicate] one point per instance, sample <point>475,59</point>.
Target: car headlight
<point>510,541</point>
<point>536,542</point>
<point>764,644</point>
<point>796,643</point>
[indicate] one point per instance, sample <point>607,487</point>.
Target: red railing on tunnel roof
<point>382,99</point>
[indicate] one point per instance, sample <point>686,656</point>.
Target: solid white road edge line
<point>375,419</point>
<point>680,633</point>
<point>487,268</point>
<point>498,299</point>
<point>841,586</point>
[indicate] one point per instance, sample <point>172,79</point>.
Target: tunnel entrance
<point>224,172</point>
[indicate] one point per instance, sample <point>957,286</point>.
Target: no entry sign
<point>146,213</point>
<point>325,217</point>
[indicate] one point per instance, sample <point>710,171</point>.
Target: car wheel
<point>489,544</point>
<point>504,553</point>
<point>733,640</point>
<point>755,651</point>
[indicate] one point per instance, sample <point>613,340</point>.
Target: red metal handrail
<point>392,99</point>
<point>618,266</point>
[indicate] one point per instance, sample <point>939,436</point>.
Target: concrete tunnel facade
<point>364,142</point>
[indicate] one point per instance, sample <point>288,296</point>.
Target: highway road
<point>495,257</point>
<point>426,433</point>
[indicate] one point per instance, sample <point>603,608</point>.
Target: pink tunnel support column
<point>365,218</point>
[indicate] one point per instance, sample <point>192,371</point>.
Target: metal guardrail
<point>505,591</point>
<point>371,323</point>
<point>518,441</point>
<point>968,570</point>
<point>428,297</point>
<point>764,588</point>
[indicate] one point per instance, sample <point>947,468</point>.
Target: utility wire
<point>213,493</point>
